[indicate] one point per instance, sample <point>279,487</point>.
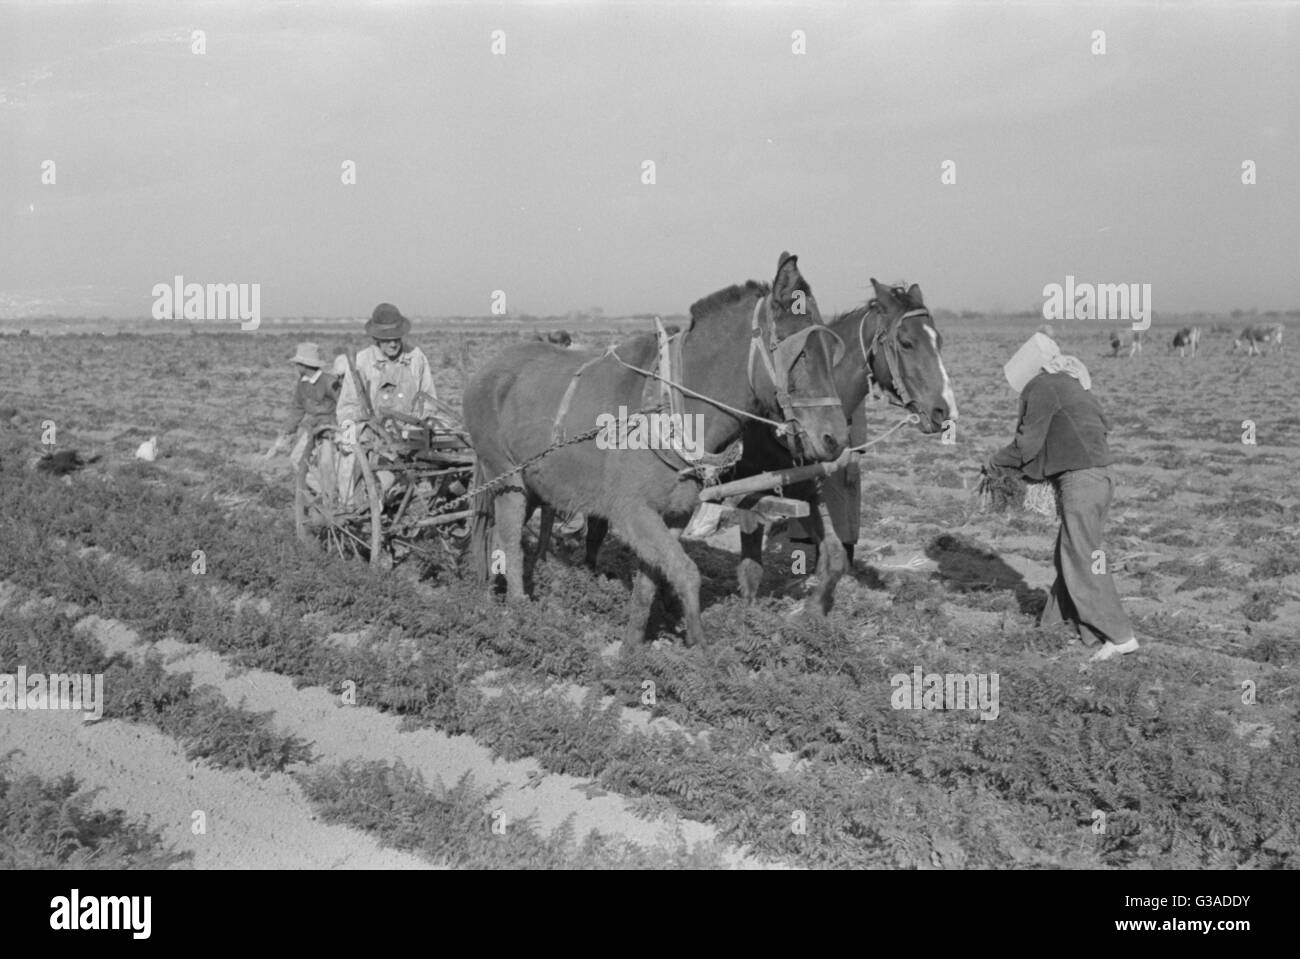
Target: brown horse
<point>511,410</point>
<point>895,322</point>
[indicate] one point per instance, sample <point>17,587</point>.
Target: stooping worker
<point>395,376</point>
<point>313,405</point>
<point>1061,437</point>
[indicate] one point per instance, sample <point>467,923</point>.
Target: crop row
<point>1170,772</point>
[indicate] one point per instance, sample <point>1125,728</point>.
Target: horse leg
<point>749,571</point>
<point>644,589</point>
<point>831,556</point>
<point>597,529</point>
<point>657,547</point>
<point>546,523</point>
<point>510,509</point>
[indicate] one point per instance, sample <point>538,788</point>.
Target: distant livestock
<point>1189,337</point>
<point>1254,337</point>
<point>557,337</point>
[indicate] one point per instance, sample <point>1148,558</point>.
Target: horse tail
<point>481,527</point>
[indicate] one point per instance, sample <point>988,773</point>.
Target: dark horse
<point>511,410</point>
<point>895,322</point>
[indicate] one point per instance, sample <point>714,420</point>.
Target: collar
<point>313,378</point>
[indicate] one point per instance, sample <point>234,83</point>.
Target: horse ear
<point>882,292</point>
<point>780,260</point>
<point>788,278</point>
<point>914,293</point>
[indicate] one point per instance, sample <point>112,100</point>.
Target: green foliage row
<point>145,692</point>
<point>50,824</point>
<point>452,827</point>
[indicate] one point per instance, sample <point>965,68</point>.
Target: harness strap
<point>765,347</point>
<point>557,429</point>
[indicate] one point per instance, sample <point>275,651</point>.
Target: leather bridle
<point>779,357</point>
<point>886,338</point>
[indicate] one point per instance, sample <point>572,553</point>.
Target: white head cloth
<point>1040,353</point>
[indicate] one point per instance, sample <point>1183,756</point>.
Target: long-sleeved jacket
<point>396,384</point>
<point>1062,427</point>
<point>313,402</point>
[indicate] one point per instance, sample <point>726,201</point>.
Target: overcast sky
<point>522,172</point>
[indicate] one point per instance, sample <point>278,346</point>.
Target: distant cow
<point>1253,337</point>
<point>557,337</point>
<point>1189,337</point>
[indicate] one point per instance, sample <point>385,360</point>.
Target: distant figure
<point>1187,337</point>
<point>315,394</point>
<point>1136,348</point>
<point>148,450</point>
<point>1253,337</point>
<point>1115,343</point>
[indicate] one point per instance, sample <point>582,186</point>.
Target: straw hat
<point>387,323</point>
<point>308,355</point>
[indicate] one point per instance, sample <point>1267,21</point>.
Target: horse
<point>1253,337</point>
<point>1189,337</point>
<point>523,404</point>
<point>892,341</point>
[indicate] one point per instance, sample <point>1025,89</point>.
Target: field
<point>486,734</point>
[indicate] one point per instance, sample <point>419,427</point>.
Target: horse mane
<point>724,298</point>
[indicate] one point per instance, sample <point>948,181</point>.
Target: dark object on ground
<point>63,463</point>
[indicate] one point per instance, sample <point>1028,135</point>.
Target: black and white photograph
<point>651,436</point>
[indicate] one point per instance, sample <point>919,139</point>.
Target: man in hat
<point>314,397</point>
<point>1061,437</point>
<point>394,375</point>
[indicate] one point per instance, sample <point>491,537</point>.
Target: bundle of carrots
<point>1002,490</point>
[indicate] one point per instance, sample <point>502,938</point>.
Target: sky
<point>523,172</point>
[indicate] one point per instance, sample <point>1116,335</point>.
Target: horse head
<point>903,355</point>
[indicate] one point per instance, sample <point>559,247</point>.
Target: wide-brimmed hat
<point>387,323</point>
<point>308,355</point>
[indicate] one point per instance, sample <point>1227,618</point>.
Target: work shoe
<point>1110,650</point>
